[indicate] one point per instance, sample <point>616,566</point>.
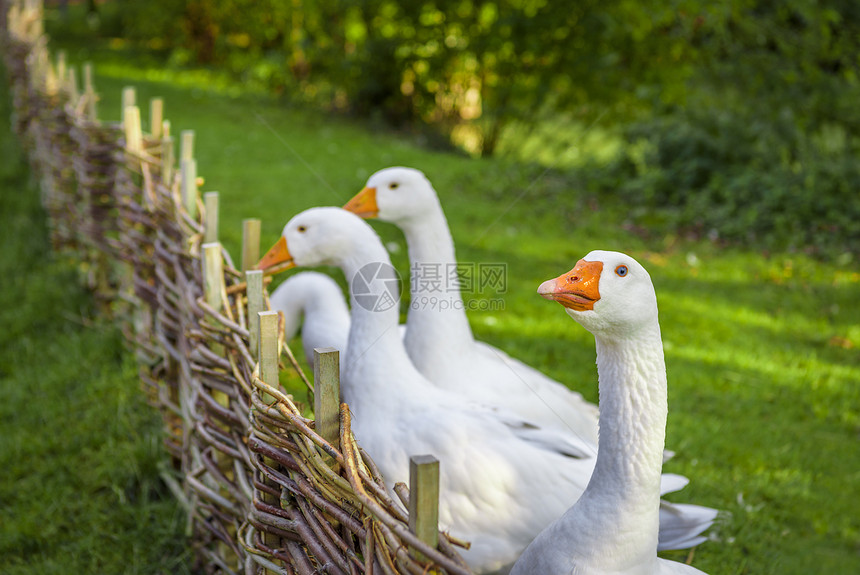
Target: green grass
<point>762,351</point>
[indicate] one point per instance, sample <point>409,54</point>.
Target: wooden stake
<point>131,125</point>
<point>129,97</point>
<point>92,107</point>
<point>39,23</point>
<point>187,146</point>
<point>213,291</point>
<point>90,92</point>
<point>327,395</point>
<point>45,68</point>
<point>167,157</point>
<point>88,77</point>
<point>250,243</point>
<point>254,279</point>
<point>213,274</point>
<point>156,117</point>
<point>61,67</point>
<point>210,201</point>
<point>424,498</point>
<point>165,128</point>
<point>269,352</point>
<point>189,186</point>
<point>72,85</point>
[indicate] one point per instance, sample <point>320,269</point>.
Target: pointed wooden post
<point>210,201</point>
<point>254,279</point>
<point>424,498</point>
<point>327,395</point>
<point>250,243</point>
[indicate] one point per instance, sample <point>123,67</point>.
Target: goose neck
<point>375,358</point>
<point>633,410</point>
<point>374,289</point>
<point>429,238</point>
<point>438,326</point>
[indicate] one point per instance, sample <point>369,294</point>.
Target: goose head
<point>608,293</point>
<point>395,195</point>
<point>316,237</point>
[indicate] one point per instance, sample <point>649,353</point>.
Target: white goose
<point>314,302</point>
<point>612,528</point>
<point>439,339</point>
<point>503,479</point>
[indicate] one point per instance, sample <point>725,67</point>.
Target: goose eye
<point>303,229</point>
<point>621,271</point>
<point>393,186</point>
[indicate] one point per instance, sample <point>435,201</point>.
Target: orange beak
<point>363,204</point>
<point>277,259</point>
<point>578,289</point>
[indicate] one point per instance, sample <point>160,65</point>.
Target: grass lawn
<point>762,352</point>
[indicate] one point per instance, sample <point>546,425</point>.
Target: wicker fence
<point>266,489</point>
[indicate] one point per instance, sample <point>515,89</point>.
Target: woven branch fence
<point>266,489</point>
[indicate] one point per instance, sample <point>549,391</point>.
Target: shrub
<point>739,179</point>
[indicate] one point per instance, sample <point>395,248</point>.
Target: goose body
<point>439,339</point>
<point>314,303</point>
<point>612,528</point>
<point>503,478</point>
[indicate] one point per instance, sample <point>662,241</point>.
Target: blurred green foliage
<point>453,62</point>
<point>462,66</point>
<point>731,176</point>
<point>734,118</point>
